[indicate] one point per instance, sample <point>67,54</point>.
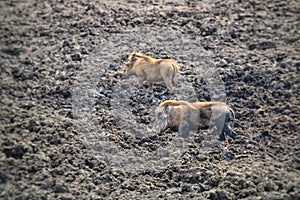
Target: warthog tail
<point>232,114</point>
<point>175,67</point>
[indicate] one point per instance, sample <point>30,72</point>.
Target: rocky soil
<point>71,128</point>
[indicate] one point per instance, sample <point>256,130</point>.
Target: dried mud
<point>53,52</point>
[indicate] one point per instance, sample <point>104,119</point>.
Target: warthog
<point>184,116</point>
<point>146,68</point>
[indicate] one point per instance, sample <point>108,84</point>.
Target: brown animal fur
<point>153,70</point>
<point>177,114</point>
<point>195,105</point>
<point>140,55</point>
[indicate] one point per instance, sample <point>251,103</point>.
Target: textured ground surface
<point>49,50</point>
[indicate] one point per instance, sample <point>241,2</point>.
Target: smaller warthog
<point>184,116</point>
<point>146,68</point>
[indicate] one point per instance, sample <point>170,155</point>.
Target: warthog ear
<point>129,57</point>
<point>133,57</point>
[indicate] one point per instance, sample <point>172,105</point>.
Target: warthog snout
<point>161,122</point>
<point>124,75</point>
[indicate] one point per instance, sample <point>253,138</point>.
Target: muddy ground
<point>53,52</point>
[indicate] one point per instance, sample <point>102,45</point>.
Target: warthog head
<point>162,119</point>
<point>130,62</point>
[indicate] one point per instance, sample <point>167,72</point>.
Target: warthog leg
<point>167,77</point>
<point>153,86</point>
<point>184,129</point>
<point>169,86</point>
<point>227,129</point>
<point>141,81</point>
<point>222,136</point>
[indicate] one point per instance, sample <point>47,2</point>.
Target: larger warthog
<point>146,68</point>
<point>185,116</point>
